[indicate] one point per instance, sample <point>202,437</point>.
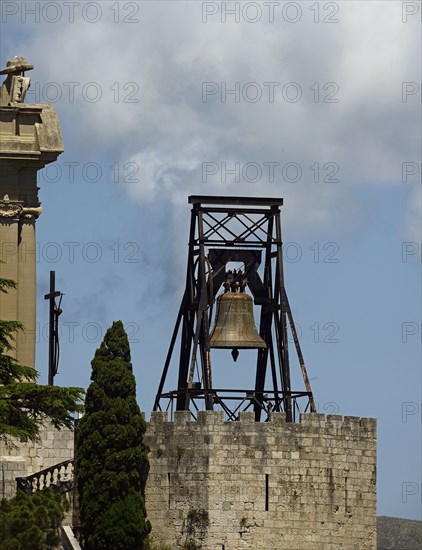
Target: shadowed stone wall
<point>274,485</point>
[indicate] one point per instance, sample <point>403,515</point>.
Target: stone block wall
<point>275,485</point>
<point>11,467</point>
<point>20,458</point>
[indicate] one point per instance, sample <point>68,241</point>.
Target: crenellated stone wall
<point>275,485</point>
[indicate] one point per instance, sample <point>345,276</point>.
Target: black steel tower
<point>245,230</point>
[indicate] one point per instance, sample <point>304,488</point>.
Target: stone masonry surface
<point>272,486</point>
<point>22,458</point>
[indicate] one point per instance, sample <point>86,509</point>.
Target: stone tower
<point>236,468</point>
<point>276,485</point>
<point>30,138</point>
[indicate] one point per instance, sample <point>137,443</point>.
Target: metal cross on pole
<point>53,333</point>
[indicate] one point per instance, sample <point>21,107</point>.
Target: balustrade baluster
<point>57,476</point>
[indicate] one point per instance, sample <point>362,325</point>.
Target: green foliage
<point>195,527</point>
<point>23,403</point>
<point>31,522</point>
<point>111,456</point>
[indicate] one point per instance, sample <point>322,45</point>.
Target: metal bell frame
<point>223,230</point>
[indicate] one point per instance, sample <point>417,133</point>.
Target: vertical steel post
<point>187,320</point>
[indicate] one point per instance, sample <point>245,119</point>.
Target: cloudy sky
<point>315,102</point>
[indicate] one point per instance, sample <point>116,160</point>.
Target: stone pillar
<point>9,231</point>
<point>27,290</point>
<point>30,138</point>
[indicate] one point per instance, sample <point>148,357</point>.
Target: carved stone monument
<point>30,138</point>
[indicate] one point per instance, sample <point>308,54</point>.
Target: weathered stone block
<point>158,417</point>
<point>181,418</point>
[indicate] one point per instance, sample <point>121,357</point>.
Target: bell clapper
<point>235,354</point>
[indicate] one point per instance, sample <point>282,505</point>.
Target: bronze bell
<point>234,322</point>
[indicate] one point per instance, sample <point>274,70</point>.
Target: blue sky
<point>160,100</point>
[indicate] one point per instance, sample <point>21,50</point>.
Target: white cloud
<point>171,132</point>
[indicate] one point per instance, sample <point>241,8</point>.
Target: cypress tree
<point>111,456</point>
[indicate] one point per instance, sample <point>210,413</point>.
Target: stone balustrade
<point>59,477</point>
